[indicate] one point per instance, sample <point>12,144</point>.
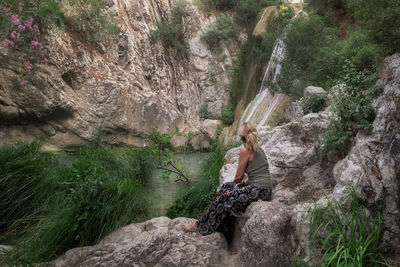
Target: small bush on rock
<point>221,32</point>
<point>227,116</point>
<point>314,103</point>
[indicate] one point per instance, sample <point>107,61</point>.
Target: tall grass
<point>24,183</point>
<point>193,202</point>
<point>348,234</point>
<point>68,206</point>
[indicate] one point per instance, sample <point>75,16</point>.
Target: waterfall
<point>264,98</point>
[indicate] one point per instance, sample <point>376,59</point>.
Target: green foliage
<point>174,33</point>
<point>194,201</point>
<point>204,113</point>
<point>227,116</point>
<point>91,19</point>
<point>352,109</point>
<point>347,234</point>
<point>314,103</point>
<point>45,12</point>
<point>358,48</point>
<point>286,12</point>
<point>162,150</point>
<point>54,206</point>
<point>381,20</point>
<point>93,205</point>
<point>24,185</point>
<point>247,10</point>
<point>222,31</point>
<point>304,38</point>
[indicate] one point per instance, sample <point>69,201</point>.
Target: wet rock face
<point>157,242</point>
<point>118,91</point>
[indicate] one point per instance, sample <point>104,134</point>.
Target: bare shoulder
<point>244,151</point>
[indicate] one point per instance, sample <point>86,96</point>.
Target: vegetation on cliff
<point>337,45</point>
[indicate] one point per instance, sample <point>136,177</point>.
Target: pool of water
<point>163,192</point>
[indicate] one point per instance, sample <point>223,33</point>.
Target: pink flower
<point>35,43</point>
<point>15,35</point>
<point>22,28</point>
<point>7,42</point>
<point>29,64</point>
<point>31,57</point>
<point>36,29</point>
<point>45,60</point>
<point>23,82</point>
<point>6,9</point>
<point>28,23</point>
<point>15,20</point>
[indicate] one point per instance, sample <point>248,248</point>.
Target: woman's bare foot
<point>190,227</point>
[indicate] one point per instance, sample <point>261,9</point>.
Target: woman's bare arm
<point>242,162</point>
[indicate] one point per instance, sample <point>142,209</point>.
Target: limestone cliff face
<point>119,90</point>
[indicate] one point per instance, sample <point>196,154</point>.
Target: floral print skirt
<point>231,199</point>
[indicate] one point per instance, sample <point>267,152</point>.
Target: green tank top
<point>258,170</point>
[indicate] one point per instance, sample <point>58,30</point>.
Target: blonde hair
<point>249,136</point>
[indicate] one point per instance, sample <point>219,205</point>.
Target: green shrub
<point>352,108</point>
<point>204,113</point>
<point>90,19</point>
<point>227,116</point>
<point>286,12</point>
<point>174,33</point>
<point>193,202</point>
<point>347,235</point>
<point>304,38</point>
<point>222,31</point>
<point>358,47</point>
<point>314,103</point>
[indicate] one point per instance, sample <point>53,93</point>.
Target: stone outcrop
<point>373,164</point>
<point>117,91</point>
<point>157,242</point>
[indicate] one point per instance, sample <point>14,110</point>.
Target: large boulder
<point>267,237</point>
<point>157,242</point>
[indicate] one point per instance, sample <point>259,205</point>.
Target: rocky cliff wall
<point>117,91</point>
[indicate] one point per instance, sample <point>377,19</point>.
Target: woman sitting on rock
<point>234,197</point>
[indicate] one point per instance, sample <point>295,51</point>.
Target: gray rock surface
<point>267,238</point>
<point>313,90</point>
<point>116,92</point>
<point>157,242</point>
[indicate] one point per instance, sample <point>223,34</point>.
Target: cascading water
<point>259,110</point>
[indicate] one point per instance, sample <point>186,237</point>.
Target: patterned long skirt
<point>231,199</point>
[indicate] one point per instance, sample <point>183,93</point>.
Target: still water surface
<point>164,192</point>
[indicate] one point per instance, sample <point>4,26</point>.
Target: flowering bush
<point>24,36</point>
